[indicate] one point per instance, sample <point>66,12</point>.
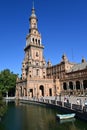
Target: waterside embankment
<point>64,107</point>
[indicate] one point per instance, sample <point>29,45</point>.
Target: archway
<point>20,91</point>
<point>31,92</point>
<point>85,84</point>
<point>71,85</point>
<point>25,92</point>
<point>64,86</point>
<point>77,85</point>
<point>42,90</point>
<point>50,92</point>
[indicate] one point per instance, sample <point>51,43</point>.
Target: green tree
<point>3,107</point>
<point>7,82</point>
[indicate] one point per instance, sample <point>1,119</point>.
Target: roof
<point>80,66</point>
<point>33,15</point>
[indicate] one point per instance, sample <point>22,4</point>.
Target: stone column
<point>22,91</point>
<point>74,85</point>
<point>81,85</point>
<point>35,91</point>
<point>67,85</point>
<point>17,93</point>
<point>61,86</point>
<point>28,93</point>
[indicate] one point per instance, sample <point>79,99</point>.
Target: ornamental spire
<point>33,5</point>
<point>33,11</point>
<point>33,19</point>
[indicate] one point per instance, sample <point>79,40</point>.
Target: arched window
<point>71,85</point>
<point>36,40</point>
<point>37,54</point>
<point>42,90</point>
<point>33,39</point>
<point>85,84</point>
<point>64,86</point>
<point>39,42</point>
<point>77,85</point>
<point>50,92</point>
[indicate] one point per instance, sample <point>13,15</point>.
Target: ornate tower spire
<point>34,37</point>
<point>33,19</point>
<point>34,65</point>
<point>33,11</point>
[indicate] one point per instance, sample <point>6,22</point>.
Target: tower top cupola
<point>83,60</point>
<point>33,19</point>
<point>64,58</point>
<point>33,15</point>
<point>33,37</point>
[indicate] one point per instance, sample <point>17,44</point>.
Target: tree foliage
<point>3,107</point>
<point>7,81</point>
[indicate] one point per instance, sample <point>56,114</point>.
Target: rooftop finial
<point>33,4</point>
<point>33,11</point>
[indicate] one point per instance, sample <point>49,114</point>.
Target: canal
<point>36,117</point>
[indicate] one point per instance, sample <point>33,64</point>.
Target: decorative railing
<point>68,105</point>
<point>75,107</point>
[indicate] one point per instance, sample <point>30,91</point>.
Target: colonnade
<point>75,86</point>
<point>36,92</point>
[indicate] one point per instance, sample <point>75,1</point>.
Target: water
<point>36,117</point>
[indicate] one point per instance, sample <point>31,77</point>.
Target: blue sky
<point>62,24</point>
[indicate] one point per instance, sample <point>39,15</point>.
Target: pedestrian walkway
<point>71,99</point>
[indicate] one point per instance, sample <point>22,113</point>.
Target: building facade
<point>42,79</point>
<point>34,82</point>
<point>72,77</point>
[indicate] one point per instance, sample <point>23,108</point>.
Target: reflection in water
<point>36,117</point>
<point>67,120</point>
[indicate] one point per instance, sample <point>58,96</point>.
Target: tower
<point>34,65</point>
<point>34,82</point>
